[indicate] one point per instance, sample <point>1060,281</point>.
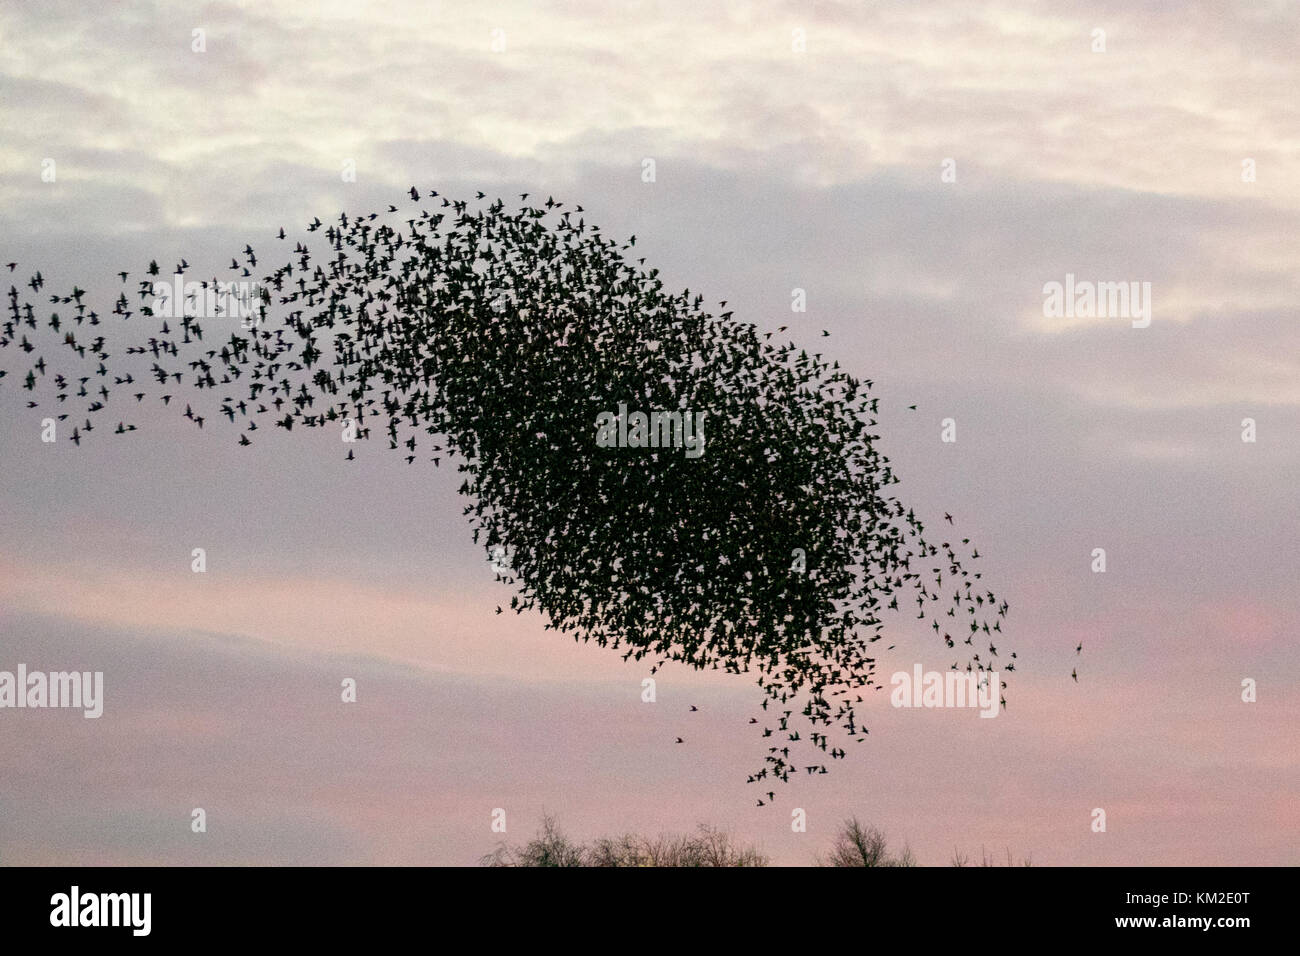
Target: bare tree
<point>550,847</point>
<point>713,847</point>
<point>986,859</point>
<point>708,847</point>
<point>859,845</point>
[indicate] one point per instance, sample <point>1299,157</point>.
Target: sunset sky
<point>796,145</point>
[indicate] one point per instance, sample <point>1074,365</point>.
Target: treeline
<point>855,844</point>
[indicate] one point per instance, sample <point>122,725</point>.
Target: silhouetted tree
<point>550,847</point>
<point>709,846</point>
<point>986,859</point>
<point>859,845</point>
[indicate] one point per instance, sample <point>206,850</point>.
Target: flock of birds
<point>497,337</point>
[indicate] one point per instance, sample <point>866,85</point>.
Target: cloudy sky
<point>796,145</point>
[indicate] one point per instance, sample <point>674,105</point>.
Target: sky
<point>795,145</point>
